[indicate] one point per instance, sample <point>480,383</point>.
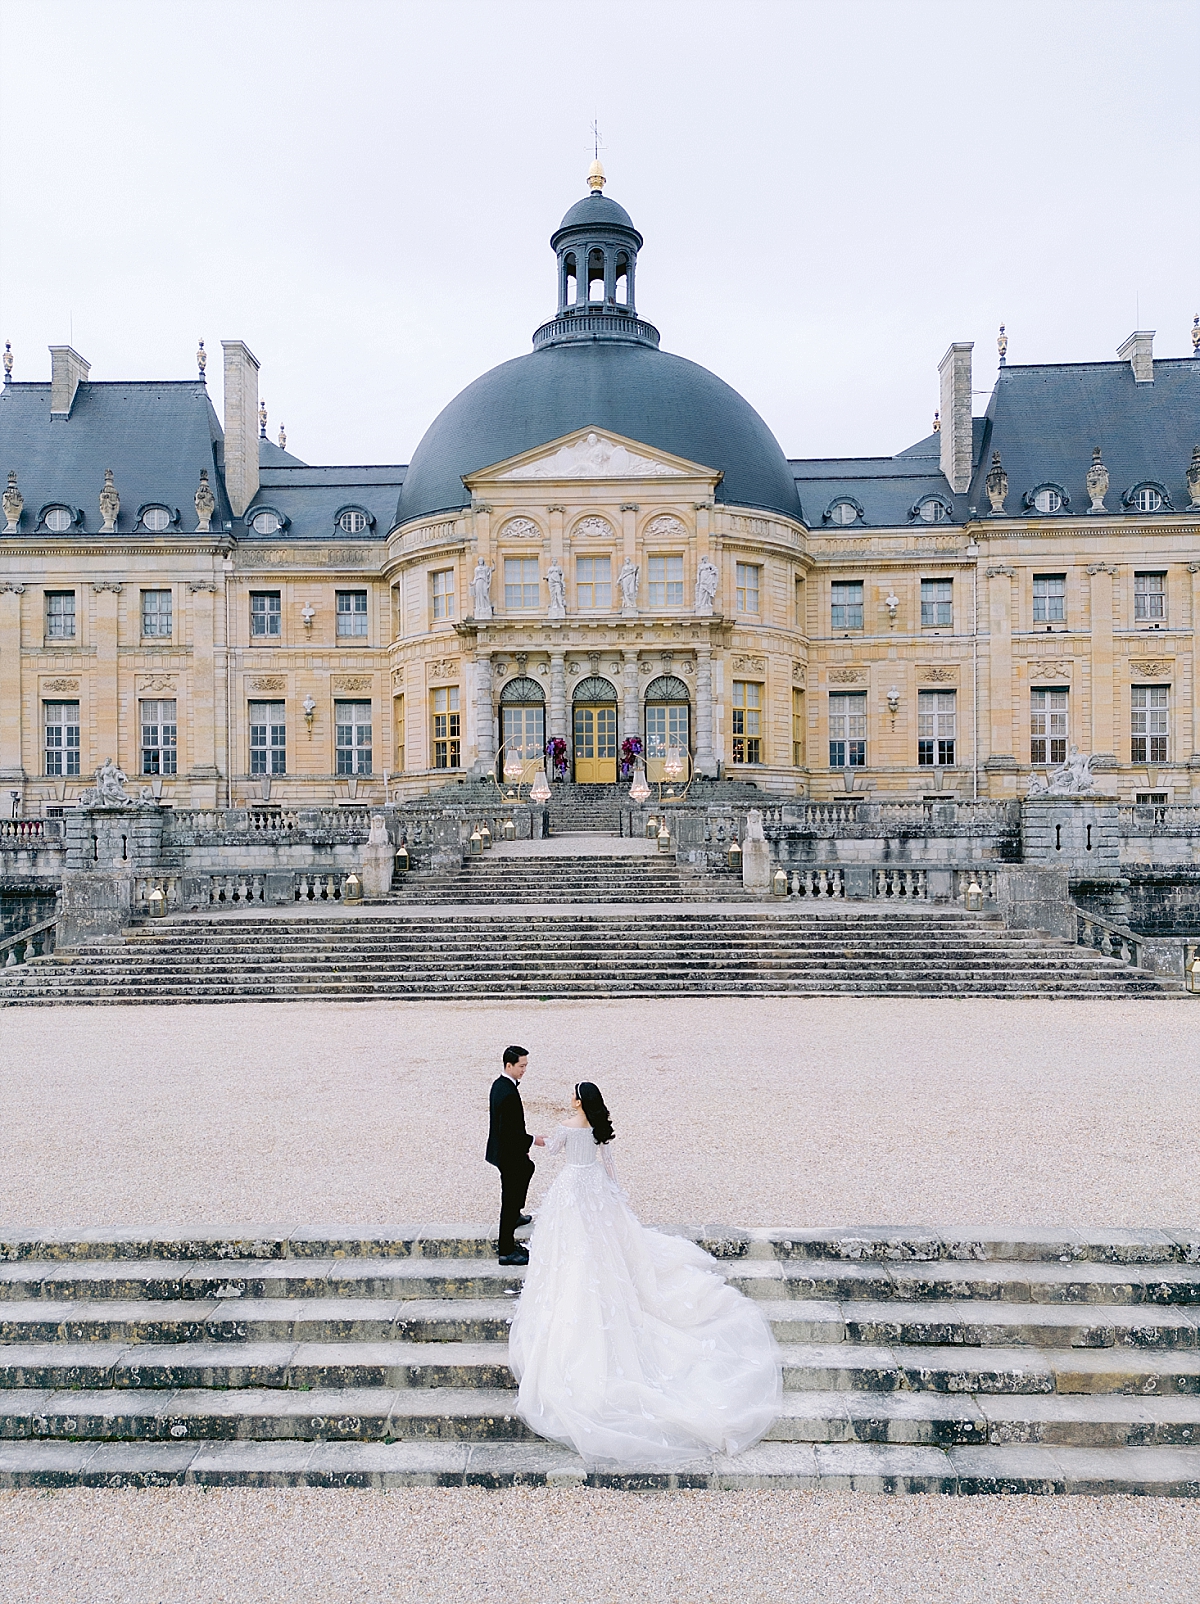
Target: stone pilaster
<point>558,694</point>
<point>104,687</point>
<point>706,762</point>
<point>1000,712</point>
<point>631,713</point>
<point>485,723</point>
<point>201,726</point>
<point>1104,710</point>
<point>12,771</point>
<point>1194,761</point>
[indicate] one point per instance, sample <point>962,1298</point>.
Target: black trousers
<point>514,1184</point>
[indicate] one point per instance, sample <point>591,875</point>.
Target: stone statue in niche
<point>481,588</point>
<point>13,503</point>
<point>556,580</point>
<point>1097,482</point>
<point>206,503</point>
<point>996,484</point>
<point>627,579</point>
<point>110,504</point>
<point>1072,778</point>
<point>707,580</point>
<point>109,790</point>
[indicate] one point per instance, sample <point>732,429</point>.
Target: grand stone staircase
<point>631,879</point>
<point>1006,1360</point>
<point>698,950</point>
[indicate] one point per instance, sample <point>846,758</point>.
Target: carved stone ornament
<point>110,504</point>
<point>354,682</point>
<point>1101,568</point>
<point>1050,668</point>
<point>195,585</point>
<point>1193,480</point>
<point>13,503</point>
<point>847,676</point>
<point>996,484</point>
<point>158,683</point>
<point>938,674</point>
<point>708,578</point>
<point>1152,668</point>
<point>1072,778</point>
<point>206,504</point>
<point>109,790</point>
<point>754,665</point>
<point>60,687</point>
<point>999,571</point>
<point>108,584</point>
<point>627,581</point>
<point>11,585</point>
<point>591,457</point>
<point>557,583</point>
<point>520,529</point>
<point>595,528</point>
<point>1097,482</point>
<point>444,668</point>
<point>667,526</point>
<point>799,674</point>
<point>271,682</point>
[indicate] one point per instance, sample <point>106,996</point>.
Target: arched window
<point>522,729</point>
<point>621,294</point>
<point>668,728</point>
<point>595,688</point>
<point>569,290</point>
<point>595,274</point>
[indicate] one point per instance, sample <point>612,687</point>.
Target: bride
<point>627,1343</point>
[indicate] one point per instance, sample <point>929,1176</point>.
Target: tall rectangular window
<point>266,619</point>
<point>1149,598</point>
<point>937,604</point>
<point>936,714</point>
<point>268,738</point>
<point>846,609</point>
<point>352,614</point>
<point>398,720</point>
<point>593,583</point>
<point>749,576</point>
<point>441,586</point>
<point>800,618</point>
<point>60,615</point>
<point>798,731</point>
<point>62,737</point>
<point>352,723</point>
<point>522,584</point>
<point>747,721</point>
<point>1150,731</point>
<point>1049,598</point>
<point>1048,726</point>
<point>665,575</point>
<point>159,743</point>
<point>447,728</point>
<point>848,730</point>
<point>156,618</point>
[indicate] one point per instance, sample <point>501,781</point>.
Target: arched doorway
<point>522,730</point>
<point>595,709</point>
<point>668,723</point>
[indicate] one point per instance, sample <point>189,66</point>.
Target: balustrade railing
<point>18,833</point>
<point>1166,818</point>
<point>986,879</point>
<point>145,884</point>
<point>1106,937</point>
<point>35,941</point>
<point>908,885</point>
<point>817,883</point>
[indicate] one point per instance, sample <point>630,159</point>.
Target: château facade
<point>599,543</point>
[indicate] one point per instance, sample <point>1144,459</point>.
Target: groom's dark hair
<point>514,1055</point>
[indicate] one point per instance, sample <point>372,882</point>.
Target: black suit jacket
<point>508,1141</point>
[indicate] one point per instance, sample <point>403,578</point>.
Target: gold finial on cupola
<point>596,179</point>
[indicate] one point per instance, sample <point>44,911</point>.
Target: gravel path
<point>541,1547</point>
<point>765,1111</point>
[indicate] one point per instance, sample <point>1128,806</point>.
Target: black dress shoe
<point>519,1257</point>
<point>524,1219</point>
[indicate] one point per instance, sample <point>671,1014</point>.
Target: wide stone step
<point>1069,1284</point>
<point>863,1467</point>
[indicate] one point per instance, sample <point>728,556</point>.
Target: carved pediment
<point>594,454</point>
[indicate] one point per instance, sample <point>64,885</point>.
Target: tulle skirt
<point>628,1344</point>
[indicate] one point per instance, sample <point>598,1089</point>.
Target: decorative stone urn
<point>1193,481</point>
<point>1097,482</point>
<point>110,504</point>
<point>996,484</point>
<point>13,503</point>
<point>206,503</point>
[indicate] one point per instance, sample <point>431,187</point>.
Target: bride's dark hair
<point>595,1110</point>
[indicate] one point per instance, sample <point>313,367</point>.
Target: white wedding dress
<point>628,1344</point>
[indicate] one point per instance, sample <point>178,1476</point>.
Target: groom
<point>508,1149</point>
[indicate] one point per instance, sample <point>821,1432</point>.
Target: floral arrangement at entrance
<point>631,750</point>
<point>556,756</point>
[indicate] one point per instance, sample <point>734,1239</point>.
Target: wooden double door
<point>596,743</point>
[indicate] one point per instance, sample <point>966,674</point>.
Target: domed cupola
<point>596,245</point>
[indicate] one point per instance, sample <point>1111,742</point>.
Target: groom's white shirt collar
<point>512,1078</point>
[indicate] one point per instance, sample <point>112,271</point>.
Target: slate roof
<point>1044,420</point>
<point>311,499</point>
<point>886,488</point>
<point>155,436</point>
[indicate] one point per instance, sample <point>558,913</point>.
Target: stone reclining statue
<point>1072,778</point>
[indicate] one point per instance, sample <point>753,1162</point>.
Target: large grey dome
<point>629,388</point>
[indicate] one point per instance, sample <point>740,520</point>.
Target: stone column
<point>202,722</point>
<point>631,713</point>
<point>1000,724</point>
<point>1193,568</point>
<point>12,771</point>
<point>1104,711</point>
<point>706,762</point>
<point>485,726</point>
<point>104,688</point>
<point>558,696</point>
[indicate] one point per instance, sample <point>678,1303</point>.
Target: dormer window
<point>266,523</point>
<point>156,519</point>
<point>843,512</point>
<point>1147,499</point>
<point>1047,501</point>
<point>353,521</point>
<point>932,510</point>
<point>58,519</point>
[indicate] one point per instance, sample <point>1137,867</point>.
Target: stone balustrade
<point>35,941</point>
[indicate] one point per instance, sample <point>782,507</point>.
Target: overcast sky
<point>831,191</point>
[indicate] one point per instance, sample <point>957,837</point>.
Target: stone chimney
<point>954,371</point>
<point>1138,351</point>
<point>68,371</point>
<point>241,425</point>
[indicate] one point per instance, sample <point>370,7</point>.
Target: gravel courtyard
<point>768,1111</point>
